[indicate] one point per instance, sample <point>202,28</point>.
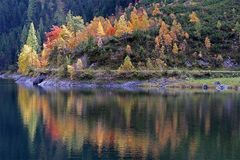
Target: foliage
<point>149,64</point>
<point>32,40</point>
<point>100,31</point>
<point>194,18</point>
<point>207,43</point>
<point>74,23</point>
<point>219,24</point>
<point>128,49</point>
<point>28,59</point>
<point>127,65</point>
<point>139,19</point>
<point>175,49</point>
<point>156,10</point>
<point>122,26</point>
<point>176,29</point>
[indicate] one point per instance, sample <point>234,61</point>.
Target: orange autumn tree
<point>51,38</point>
<point>92,27</point>
<point>110,30</point>
<point>156,10</point>
<point>139,19</point>
<point>76,40</point>
<point>170,37</point>
<point>59,38</point>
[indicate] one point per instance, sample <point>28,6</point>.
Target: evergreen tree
<point>31,9</point>
<point>74,23</point>
<point>24,35</point>
<point>41,30</point>
<point>219,24</point>
<point>32,40</point>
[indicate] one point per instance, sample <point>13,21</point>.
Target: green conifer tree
<point>31,8</point>
<point>74,23</point>
<point>32,40</point>
<point>24,35</point>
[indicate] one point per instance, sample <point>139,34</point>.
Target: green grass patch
<point>210,81</point>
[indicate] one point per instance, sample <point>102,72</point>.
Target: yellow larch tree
<point>127,65</point>
<point>100,30</point>
<point>144,20</point>
<point>156,10</point>
<point>163,28</point>
<point>194,18</point>
<point>175,49</point>
<point>122,26</point>
<point>207,43</point>
<point>139,19</point>
<point>28,59</point>
<point>134,18</point>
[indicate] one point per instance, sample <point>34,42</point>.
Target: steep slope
<point>15,14</point>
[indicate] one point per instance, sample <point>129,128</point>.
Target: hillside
<point>143,36</point>
<point>16,16</point>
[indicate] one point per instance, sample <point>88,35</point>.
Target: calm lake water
<point>101,124</point>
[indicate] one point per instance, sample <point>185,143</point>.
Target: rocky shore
<point>153,84</point>
<point>51,82</point>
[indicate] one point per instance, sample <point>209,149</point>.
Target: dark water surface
<point>100,124</point>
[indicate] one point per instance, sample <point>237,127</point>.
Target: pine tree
<point>74,23</point>
<point>59,12</point>
<point>24,35</point>
<point>219,24</point>
<point>39,40</point>
<point>31,10</point>
<point>237,29</point>
<point>198,28</point>
<point>32,40</point>
<point>149,64</point>
<point>41,31</point>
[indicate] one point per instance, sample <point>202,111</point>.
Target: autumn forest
<point>143,36</point>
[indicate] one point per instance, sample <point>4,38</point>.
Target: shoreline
<point>53,82</point>
<point>154,83</point>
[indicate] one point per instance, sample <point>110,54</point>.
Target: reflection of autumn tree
<point>30,114</point>
<point>132,123</point>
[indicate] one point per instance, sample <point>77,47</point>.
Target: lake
<point>115,124</point>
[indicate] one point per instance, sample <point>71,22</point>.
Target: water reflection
<point>117,124</point>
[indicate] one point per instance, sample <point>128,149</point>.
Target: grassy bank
<point>198,77</point>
